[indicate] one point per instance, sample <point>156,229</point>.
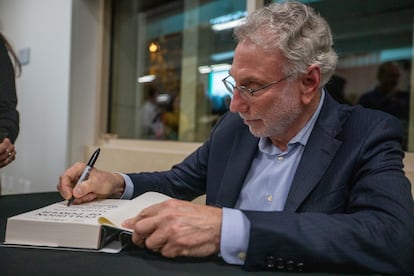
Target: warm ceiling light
<point>153,47</point>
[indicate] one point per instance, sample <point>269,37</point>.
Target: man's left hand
<point>178,228</point>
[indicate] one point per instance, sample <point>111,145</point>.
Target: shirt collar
<point>301,137</point>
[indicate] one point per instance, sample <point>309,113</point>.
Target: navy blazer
<point>349,209</point>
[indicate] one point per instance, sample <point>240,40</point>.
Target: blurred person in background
<point>10,67</point>
<point>387,97</point>
<point>149,114</point>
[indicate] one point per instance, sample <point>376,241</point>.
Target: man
<point>150,115</point>
<point>295,181</point>
<point>386,96</point>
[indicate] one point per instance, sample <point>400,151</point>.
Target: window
<point>179,50</point>
<point>368,35</point>
<point>168,59</point>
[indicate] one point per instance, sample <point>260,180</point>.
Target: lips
<point>246,120</point>
<point>250,121</point>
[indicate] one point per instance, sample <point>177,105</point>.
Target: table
<point>133,261</point>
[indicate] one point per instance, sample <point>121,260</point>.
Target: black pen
<point>85,174</point>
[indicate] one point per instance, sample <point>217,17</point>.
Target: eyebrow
<point>250,79</point>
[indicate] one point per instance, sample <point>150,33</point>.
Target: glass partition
<point>167,64</point>
<point>374,41</point>
<point>168,59</point>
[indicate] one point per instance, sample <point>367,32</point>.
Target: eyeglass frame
<point>244,89</point>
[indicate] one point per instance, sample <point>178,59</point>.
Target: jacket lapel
<point>322,146</point>
<point>243,151</point>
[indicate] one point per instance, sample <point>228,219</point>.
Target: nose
<point>238,103</point>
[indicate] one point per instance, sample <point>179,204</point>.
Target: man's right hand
<point>100,184</point>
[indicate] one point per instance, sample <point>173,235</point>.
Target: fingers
<point>102,184</point>
<point>148,234</point>
<point>10,156</point>
<point>99,184</point>
<point>146,226</point>
<point>68,180</point>
<point>7,152</point>
<point>141,230</point>
<point>86,198</point>
<point>177,228</point>
<point>145,213</point>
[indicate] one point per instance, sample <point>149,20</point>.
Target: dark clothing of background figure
<point>387,97</point>
<point>336,88</point>
<point>346,176</point>
<point>9,116</point>
<point>396,103</point>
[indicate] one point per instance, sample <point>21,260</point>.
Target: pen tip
<point>70,201</point>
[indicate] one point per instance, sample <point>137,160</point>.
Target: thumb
<point>128,223</point>
<point>82,188</point>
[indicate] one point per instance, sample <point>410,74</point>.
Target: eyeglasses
<point>230,85</point>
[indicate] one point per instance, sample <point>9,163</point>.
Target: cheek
<point>270,105</point>
<point>279,107</point>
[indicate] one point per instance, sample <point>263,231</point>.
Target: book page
<point>87,213</point>
<point>131,209</point>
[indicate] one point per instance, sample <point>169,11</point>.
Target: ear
<point>310,83</point>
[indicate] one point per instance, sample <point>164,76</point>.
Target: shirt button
<point>280,263</point>
<point>290,265</point>
<point>269,198</point>
<point>270,262</point>
<point>242,256</point>
<point>280,158</point>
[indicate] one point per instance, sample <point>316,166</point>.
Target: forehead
<point>248,56</point>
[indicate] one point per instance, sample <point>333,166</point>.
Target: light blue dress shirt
<point>266,188</point>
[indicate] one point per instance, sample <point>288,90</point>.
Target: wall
<point>44,26</point>
<point>58,89</point>
<point>89,75</point>
<point>125,155</point>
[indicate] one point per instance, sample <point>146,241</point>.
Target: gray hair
<point>302,35</point>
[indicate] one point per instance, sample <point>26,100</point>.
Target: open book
<point>90,225</point>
